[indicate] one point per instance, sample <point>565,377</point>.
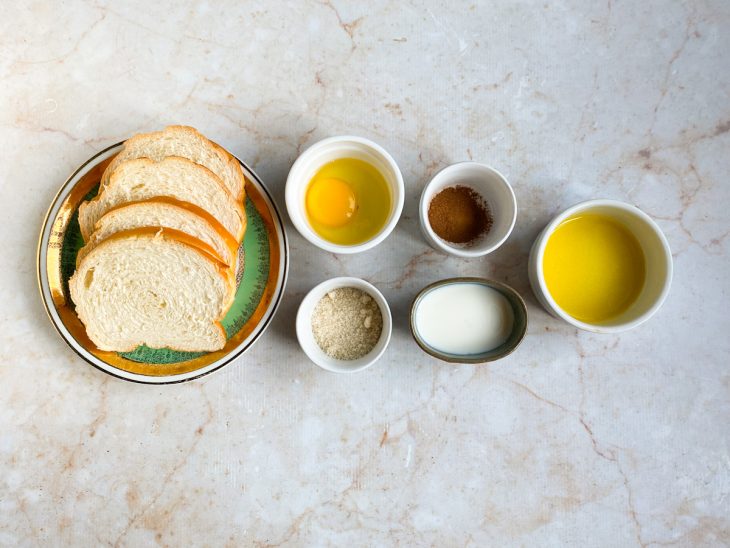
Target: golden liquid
<point>594,267</point>
<point>348,201</point>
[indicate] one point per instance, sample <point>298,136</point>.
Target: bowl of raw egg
<point>601,265</point>
<point>345,194</point>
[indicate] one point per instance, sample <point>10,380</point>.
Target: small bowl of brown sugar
<point>467,210</point>
<point>344,325</point>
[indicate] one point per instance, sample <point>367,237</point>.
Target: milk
<point>464,318</point>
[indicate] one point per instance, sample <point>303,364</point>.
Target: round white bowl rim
<point>457,251</point>
<point>581,206</point>
<point>317,293</point>
<point>398,197</point>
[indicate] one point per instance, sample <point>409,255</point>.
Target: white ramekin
<point>306,336</point>
<point>325,151</point>
<point>491,185</point>
<point>657,254</point>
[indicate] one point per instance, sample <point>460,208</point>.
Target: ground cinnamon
<point>459,215</point>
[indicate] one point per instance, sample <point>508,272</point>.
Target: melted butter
<point>594,267</point>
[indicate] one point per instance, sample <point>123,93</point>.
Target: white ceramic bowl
<point>328,150</point>
<point>491,185</point>
<point>306,337</point>
<point>657,254</point>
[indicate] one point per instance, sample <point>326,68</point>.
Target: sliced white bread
<point>167,213</point>
<point>172,177</point>
<point>157,287</point>
<point>186,142</point>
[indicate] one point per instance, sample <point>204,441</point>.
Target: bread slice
<point>167,213</point>
<point>186,142</point>
<point>152,286</point>
<point>172,177</point>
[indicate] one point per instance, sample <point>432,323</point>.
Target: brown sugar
<point>347,323</point>
<point>459,215</point>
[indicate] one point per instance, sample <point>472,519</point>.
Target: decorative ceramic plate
<point>263,254</point>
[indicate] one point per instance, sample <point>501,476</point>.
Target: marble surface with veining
<point>576,439</point>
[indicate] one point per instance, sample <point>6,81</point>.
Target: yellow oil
<point>594,267</point>
<point>347,201</point>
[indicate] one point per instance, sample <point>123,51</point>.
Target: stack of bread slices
<point>161,244</point>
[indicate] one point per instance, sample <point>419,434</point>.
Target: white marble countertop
<point>576,439</point>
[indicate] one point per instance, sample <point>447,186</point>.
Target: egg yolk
<point>331,202</point>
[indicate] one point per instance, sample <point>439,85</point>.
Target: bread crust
<point>230,242</point>
<point>174,235</point>
<point>189,165</point>
<point>228,158</point>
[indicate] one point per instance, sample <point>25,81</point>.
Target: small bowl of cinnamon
<point>467,210</point>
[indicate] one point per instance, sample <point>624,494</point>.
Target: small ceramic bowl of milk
<point>468,320</point>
